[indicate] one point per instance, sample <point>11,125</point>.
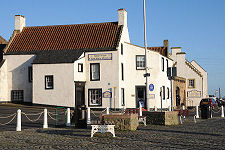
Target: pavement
<point>205,134</point>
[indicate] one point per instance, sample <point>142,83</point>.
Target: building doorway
<point>177,96</point>
<point>79,93</point>
<point>140,96</point>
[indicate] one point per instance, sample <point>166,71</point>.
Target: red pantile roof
<point>67,37</point>
<point>161,50</point>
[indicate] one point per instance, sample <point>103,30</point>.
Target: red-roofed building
<point>83,64</point>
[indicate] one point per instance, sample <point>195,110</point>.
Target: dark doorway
<point>140,96</point>
<point>177,96</point>
<point>79,93</point>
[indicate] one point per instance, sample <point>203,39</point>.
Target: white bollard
<point>18,127</point>
<point>197,114</point>
<point>107,110</point>
<point>155,108</point>
<point>140,109</point>
<point>222,111</point>
<point>89,115</point>
<point>68,117</point>
<point>169,108</point>
<point>210,111</point>
<point>183,107</point>
<point>45,125</point>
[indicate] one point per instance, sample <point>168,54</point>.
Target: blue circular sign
<point>151,87</point>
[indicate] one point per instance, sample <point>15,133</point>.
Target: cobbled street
<point>205,134</point>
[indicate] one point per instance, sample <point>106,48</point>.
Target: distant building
<point>3,44</point>
<point>93,64</point>
<point>195,75</point>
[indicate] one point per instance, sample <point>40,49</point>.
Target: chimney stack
<point>166,45</point>
<point>122,17</point>
<point>19,22</point>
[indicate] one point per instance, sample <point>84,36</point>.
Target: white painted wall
<point>63,93</point>
<point>183,70</point>
<point>135,77</point>
<point>80,76</point>
<point>3,83</point>
<point>17,75</point>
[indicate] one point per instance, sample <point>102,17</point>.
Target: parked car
<point>208,102</point>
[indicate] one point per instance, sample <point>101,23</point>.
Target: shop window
<point>140,62</point>
<point>49,82</point>
<point>95,71</point>
<point>95,97</point>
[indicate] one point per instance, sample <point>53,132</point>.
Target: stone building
<point>195,75</point>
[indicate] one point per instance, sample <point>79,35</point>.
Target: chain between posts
<point>26,115</point>
<point>10,120</point>
<point>49,114</point>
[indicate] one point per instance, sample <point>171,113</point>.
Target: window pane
<point>95,70</point>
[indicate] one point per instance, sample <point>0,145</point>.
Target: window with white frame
<point>122,71</point>
<point>167,64</point>
<point>95,97</point>
<point>191,83</point>
<point>168,93</point>
<point>164,92</point>
<point>30,74</point>
<point>140,62</point>
<point>122,97</point>
<point>121,48</point>
<point>94,71</point>
<point>49,82</point>
<point>17,95</point>
<point>162,64</point>
<point>80,67</point>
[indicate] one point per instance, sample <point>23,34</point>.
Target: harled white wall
<point>63,93</point>
<point>3,83</point>
<point>17,75</point>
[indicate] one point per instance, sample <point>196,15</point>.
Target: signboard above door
<point>102,56</point>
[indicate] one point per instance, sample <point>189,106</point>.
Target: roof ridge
<point>70,24</point>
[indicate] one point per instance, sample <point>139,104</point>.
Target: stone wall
<point>122,121</point>
<point>162,118</point>
<point>180,83</point>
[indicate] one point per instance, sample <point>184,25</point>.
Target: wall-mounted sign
<point>151,96</point>
<point>102,56</point>
<point>151,87</point>
<point>194,94</point>
<point>107,94</point>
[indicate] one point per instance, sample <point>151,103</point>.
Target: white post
<point>68,117</point>
<point>45,125</point>
<point>210,111</point>
<point>169,108</point>
<point>155,108</point>
<point>107,110</point>
<point>183,107</point>
<point>197,114</point>
<point>89,115</point>
<point>222,113</point>
<point>140,109</point>
<point>18,127</point>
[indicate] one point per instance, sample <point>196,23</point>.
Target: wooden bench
<point>136,111</point>
<point>102,129</point>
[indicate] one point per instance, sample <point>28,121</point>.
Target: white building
<point>196,76</point>
<point>91,64</point>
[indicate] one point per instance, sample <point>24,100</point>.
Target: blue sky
<point>198,26</point>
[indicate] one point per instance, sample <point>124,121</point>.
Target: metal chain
<point>57,113</point>
<point>7,116</point>
<point>49,114</point>
<point>216,111</point>
<point>94,114</point>
<point>103,110</point>
<point>34,114</point>
<point>9,121</point>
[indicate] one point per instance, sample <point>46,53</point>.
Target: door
<point>140,96</point>
<point>79,93</point>
<point>177,96</point>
